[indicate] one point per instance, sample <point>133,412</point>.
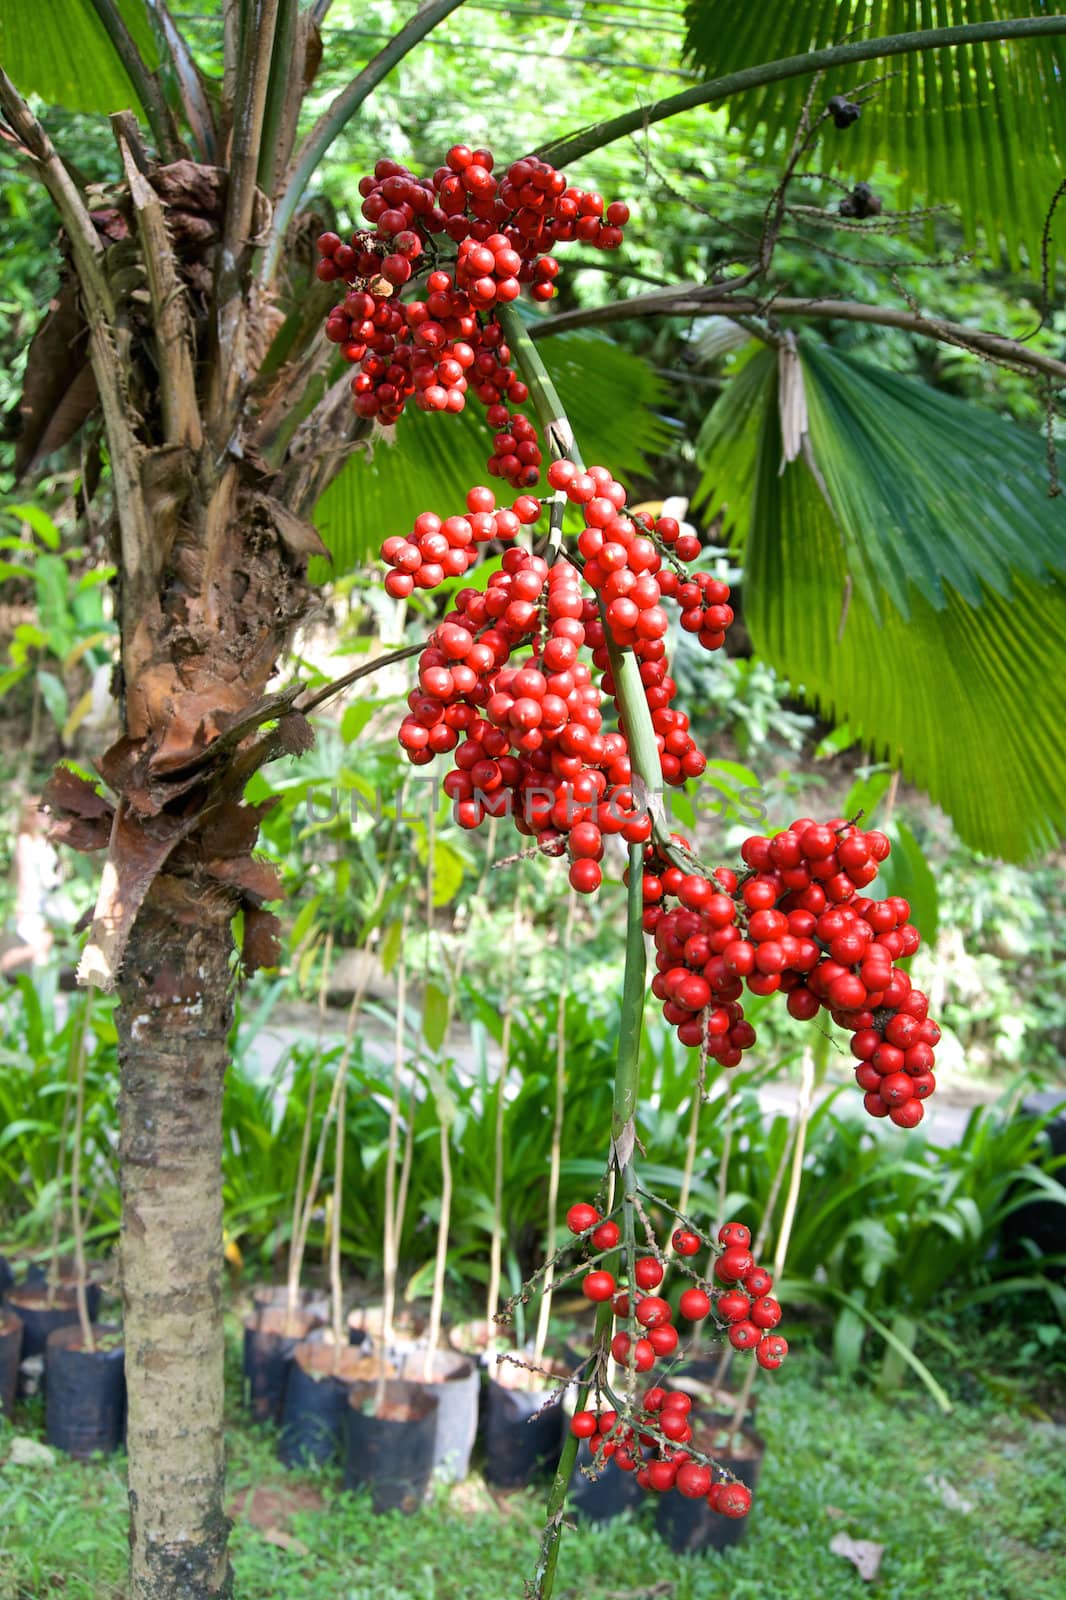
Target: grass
<point>841,1458</point>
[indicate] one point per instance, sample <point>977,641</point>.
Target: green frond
<point>69,60</point>
<point>924,608</point>
<point>982,127</point>
<point>609,395</point>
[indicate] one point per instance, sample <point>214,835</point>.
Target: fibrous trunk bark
<point>173,1019</point>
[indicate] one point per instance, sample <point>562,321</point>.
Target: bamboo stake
<point>61,1167</point>
<point>440,1264</point>
<point>75,1178</point>
<point>391,1243</point>
<point>803,1115</point>
<point>296,1257</point>
<point>555,1166</point>
<point>492,1299</point>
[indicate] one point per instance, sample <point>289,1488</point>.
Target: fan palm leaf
<point>907,574</point>
<point>980,126</point>
<point>69,60</point>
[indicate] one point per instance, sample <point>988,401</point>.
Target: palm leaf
<point>920,603</point>
<point>608,394</point>
<point>981,126</point>
<point>70,61</point>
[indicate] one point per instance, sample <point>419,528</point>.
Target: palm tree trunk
<point>173,1021</point>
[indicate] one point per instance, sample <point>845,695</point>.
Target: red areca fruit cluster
<point>653,1442</point>
<point>528,735</point>
<point>797,923</point>
<point>435,349</point>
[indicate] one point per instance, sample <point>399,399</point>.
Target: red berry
<point>583,1424</point>
<point>663,1340</point>
<point>597,1286</point>
<point>686,1243</point>
<point>606,1236</point>
<point>909,1114</point>
<point>733,1305</point>
<point>648,1273</point>
<point>733,1263</point>
<point>732,1500</point>
<point>765,1312</point>
<point>695,1304</point>
<point>693,1481</point>
<point>582,1217</point>
<point>734,1233</point>
<point>758,1281</point>
<point>771,1351</point>
<point>653,1311</point>
<point>662,1475</point>
<point>744,1335</point>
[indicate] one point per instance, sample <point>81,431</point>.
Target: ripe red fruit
<point>734,1233</point>
<point>895,1088</point>
<point>758,1281</point>
<point>581,1217</point>
<point>677,1400</point>
<point>744,1335</point>
<point>663,1339</point>
<point>733,1306</point>
<point>732,1499</point>
<point>597,1286</point>
<point>771,1351</point>
<point>909,1114</point>
<point>653,1398</point>
<point>643,1352</point>
<point>686,1243</point>
<point>765,1312</point>
<point>583,1424</point>
<point>653,1311</point>
<point>648,1273</point>
<point>606,1236</point>
<point>693,1481</point>
<point>694,1304</point>
<point>662,1475</point>
<point>674,1425</point>
<point>733,1263</point>
<point>585,876</point>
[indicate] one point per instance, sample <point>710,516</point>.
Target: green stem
<point>145,84</point>
<point>576,145</point>
<point>627,1068</point>
<point>544,1576</point>
<point>625,668</point>
<point>336,116</point>
<point>271,158</point>
<point>626,1084</point>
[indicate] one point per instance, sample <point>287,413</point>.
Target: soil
<point>344,1362</point>
<point>104,1339</point>
<point>267,1508</point>
<point>397,1413</point>
<point>37,1299</point>
<point>279,1320</point>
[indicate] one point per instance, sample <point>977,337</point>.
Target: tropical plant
<point>194,313</point>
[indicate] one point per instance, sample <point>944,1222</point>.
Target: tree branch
<point>228,373</point>
<point>168,143</point>
<point>170,314</point>
<point>576,145</point>
<point>708,300</point>
<point>194,100</point>
<point>284,95</point>
<point>135,533</point>
<point>334,119</point>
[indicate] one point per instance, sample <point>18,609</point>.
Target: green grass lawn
<point>841,1458</point>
